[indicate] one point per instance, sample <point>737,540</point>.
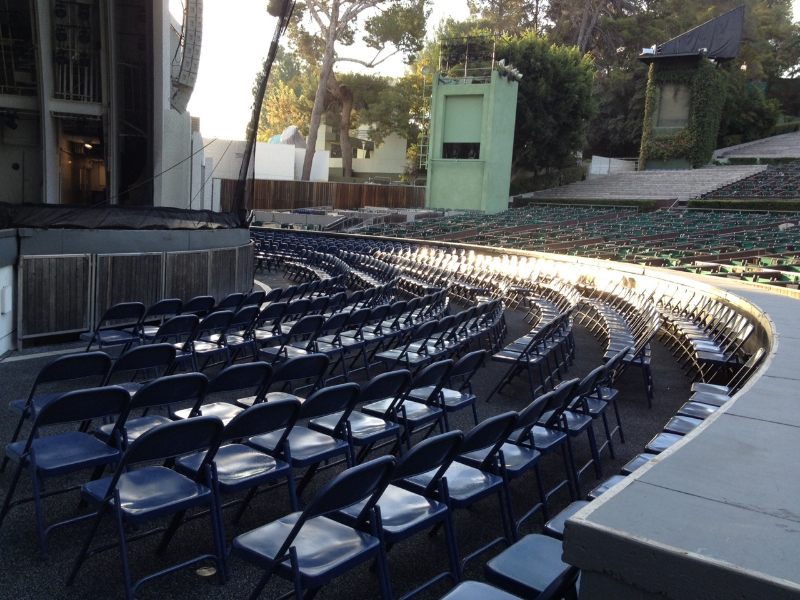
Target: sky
<point>236,38</point>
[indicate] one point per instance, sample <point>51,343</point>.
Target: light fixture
<point>87,146</point>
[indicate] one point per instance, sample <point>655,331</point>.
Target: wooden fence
<point>68,293</point>
<point>288,195</point>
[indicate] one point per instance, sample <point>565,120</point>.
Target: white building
<point>92,101</point>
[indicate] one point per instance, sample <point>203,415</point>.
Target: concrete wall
<point>39,242</point>
<point>388,159</point>
<point>8,296</point>
<point>469,183</point>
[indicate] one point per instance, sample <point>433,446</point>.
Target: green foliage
<point>757,205</point>
<point>554,102</point>
<point>695,142</point>
<point>510,17</point>
<point>747,115</point>
<point>543,181</point>
<point>786,128</point>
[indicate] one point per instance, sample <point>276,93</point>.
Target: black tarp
<point>720,37</point>
<point>71,216</point>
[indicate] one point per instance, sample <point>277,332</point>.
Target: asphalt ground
<point>24,574</point>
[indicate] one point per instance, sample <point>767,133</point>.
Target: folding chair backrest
<point>138,358</point>
<point>750,365</point>
<point>174,439</point>
<point>74,366</point>
<point>490,433</point>
<point>301,367</point>
<point>386,385</point>
<point>178,328</point>
<point>170,389</point>
<point>273,295</point>
<point>366,480</point>
<point>308,325</point>
<point>434,375</point>
<point>434,452</point>
<point>244,317</point>
<point>82,405</point>
<point>216,322</point>
<point>529,416</point>
<point>318,305</point>
<point>199,305</point>
<point>558,400</point>
<point>334,323</point>
<point>328,400</point>
<point>255,298</point>
<point>298,308</point>
<point>271,312</point>
<point>264,418</point>
<point>124,311</point>
<point>245,376</point>
<point>587,384</point>
<point>468,365</point>
<point>230,302</point>
<point>612,366</point>
<point>167,307</point>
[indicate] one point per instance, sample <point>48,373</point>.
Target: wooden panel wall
<point>187,274</point>
<point>244,268</point>
<point>54,294</point>
<point>288,195</point>
<point>128,278</point>
<point>222,272</point>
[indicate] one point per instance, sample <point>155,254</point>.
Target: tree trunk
<point>328,59</point>
<point>345,95</point>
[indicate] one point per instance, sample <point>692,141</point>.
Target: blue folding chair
<point>293,377</point>
<point>135,496</point>
<point>92,367</point>
<point>248,382</point>
<point>246,466</point>
<point>310,448</point>
<point>47,456</point>
<point>311,549</point>
<point>405,513</point>
<point>107,332</point>
<point>154,360</point>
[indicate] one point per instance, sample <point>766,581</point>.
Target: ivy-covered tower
<point>685,93</point>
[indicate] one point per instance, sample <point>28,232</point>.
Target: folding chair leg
<point>172,528</point>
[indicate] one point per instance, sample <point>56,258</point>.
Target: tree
<point>510,17</point>
<point>555,101</point>
<point>390,26</point>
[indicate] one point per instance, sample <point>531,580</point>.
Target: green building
<point>471,142</point>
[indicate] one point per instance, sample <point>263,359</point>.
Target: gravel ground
<point>25,575</point>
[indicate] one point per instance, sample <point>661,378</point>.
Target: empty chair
<point>255,298</point>
<point>91,367</point>
<point>311,549</point>
<point>154,359</point>
<point>208,340</point>
<point>310,448</point>
<point>231,302</point>
<point>199,305</point>
<point>107,332</point>
<point>293,377</point>
<point>239,337</point>
<point>248,382</point>
<point>299,341</point>
<point>155,316</point>
<point>241,466</point>
<point>135,496</point>
<point>46,454</point>
<point>475,590</point>
<point>267,329</point>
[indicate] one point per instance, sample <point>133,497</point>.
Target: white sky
<point>236,38</point>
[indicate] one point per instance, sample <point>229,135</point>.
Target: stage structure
<point>685,93</point>
<point>473,112</point>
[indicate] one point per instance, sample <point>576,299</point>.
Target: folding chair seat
<point>475,590</point>
<point>155,359</point>
<point>248,382</point>
<point>135,496</point>
<point>605,486</point>
<point>737,381</point>
<point>452,400</point>
<point>662,442</point>
<point>92,367</point>
<point>108,331</point>
<point>698,410</point>
<point>468,485</point>
<point>155,316</point>
<point>682,424</point>
<point>532,568</point>
<point>199,305</point>
<point>58,454</point>
<point>243,464</point>
<point>255,298</point>
<point>415,416</point>
<point>405,513</point>
<point>296,374</point>
<point>310,448</point>
<point>638,461</point>
<point>311,549</point>
<point>299,341</point>
<point>365,430</point>
<point>555,526</point>
<point>267,329</point>
<point>162,392</point>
